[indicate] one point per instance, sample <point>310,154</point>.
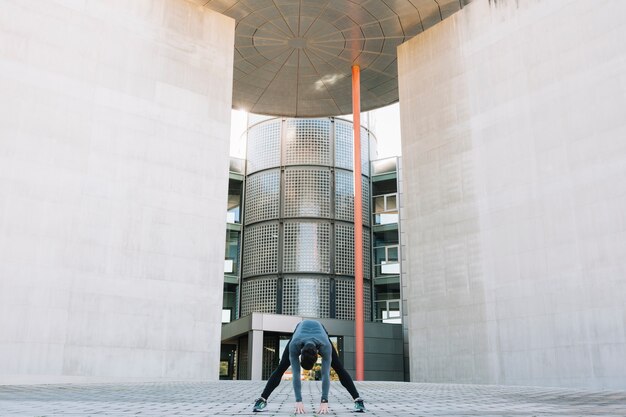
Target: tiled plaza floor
<point>235,398</point>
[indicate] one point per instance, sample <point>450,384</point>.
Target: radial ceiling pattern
<point>294,57</point>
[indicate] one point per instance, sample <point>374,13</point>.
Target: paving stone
<point>235,398</point>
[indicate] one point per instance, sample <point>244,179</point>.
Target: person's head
<point>308,356</point>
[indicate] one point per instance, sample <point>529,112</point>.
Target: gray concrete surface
<point>114,125</point>
<point>514,200</point>
<point>231,398</point>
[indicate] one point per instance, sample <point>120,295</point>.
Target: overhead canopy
<point>294,57</point>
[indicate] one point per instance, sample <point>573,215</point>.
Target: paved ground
<point>235,398</point>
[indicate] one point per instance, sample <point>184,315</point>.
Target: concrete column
<point>514,162</point>
<point>255,355</point>
<point>114,124</point>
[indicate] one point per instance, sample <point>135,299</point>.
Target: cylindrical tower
<point>298,250</point>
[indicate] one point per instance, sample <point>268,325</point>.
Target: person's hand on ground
<point>323,408</point>
<point>300,408</point>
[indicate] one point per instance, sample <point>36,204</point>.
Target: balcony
<point>385,209</point>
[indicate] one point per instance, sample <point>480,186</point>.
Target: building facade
<point>113,177</point>
<point>297,255</point>
<point>299,227</point>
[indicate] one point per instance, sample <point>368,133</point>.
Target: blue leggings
<point>344,376</point>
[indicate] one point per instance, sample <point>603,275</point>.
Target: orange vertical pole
<point>358,226</point>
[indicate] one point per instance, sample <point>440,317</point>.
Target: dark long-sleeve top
<point>310,331</point>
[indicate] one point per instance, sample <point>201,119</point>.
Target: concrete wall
<point>514,150</point>
<point>114,126</point>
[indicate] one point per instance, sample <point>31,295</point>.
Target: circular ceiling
<point>294,57</point>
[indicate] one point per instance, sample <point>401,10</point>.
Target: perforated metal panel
<point>365,200</point>
<point>270,355</point>
<point>365,152</point>
<point>343,144</point>
<point>303,193</point>
<point>307,142</point>
<point>262,196</point>
<point>344,299</point>
<point>367,257</point>
<point>264,146</point>
<point>307,193</point>
<point>344,249</point>
<point>306,247</point>
<point>306,296</point>
<point>344,307</point>
<point>367,301</point>
<point>258,295</point>
<point>242,363</point>
<point>344,196</point>
<point>260,248</point>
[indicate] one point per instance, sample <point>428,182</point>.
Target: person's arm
<point>294,357</point>
<point>326,353</point>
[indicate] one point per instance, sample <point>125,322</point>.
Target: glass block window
<point>258,295</point>
<point>306,247</point>
<point>306,296</point>
<point>344,195</point>
<point>262,196</point>
<point>307,142</point>
<point>307,193</point>
<point>343,144</point>
<point>365,152</point>
<point>367,266</point>
<point>365,199</point>
<point>344,249</point>
<point>263,149</point>
<point>344,299</point>
<point>260,250</point>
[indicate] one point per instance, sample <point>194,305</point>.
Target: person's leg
<point>274,379</point>
<point>344,376</point>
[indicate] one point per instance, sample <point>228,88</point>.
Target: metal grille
<point>307,142</point>
<point>242,363</point>
<point>306,296</point>
<point>344,249</point>
<point>343,144</point>
<point>344,307</point>
<point>367,301</point>
<point>344,298</point>
<point>344,198</point>
<point>264,146</point>
<point>306,247</point>
<point>262,196</point>
<point>270,355</point>
<point>365,199</point>
<point>307,193</point>
<point>260,248</point>
<point>367,267</point>
<point>258,295</point>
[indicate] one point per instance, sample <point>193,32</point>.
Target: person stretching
<point>309,339</point>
